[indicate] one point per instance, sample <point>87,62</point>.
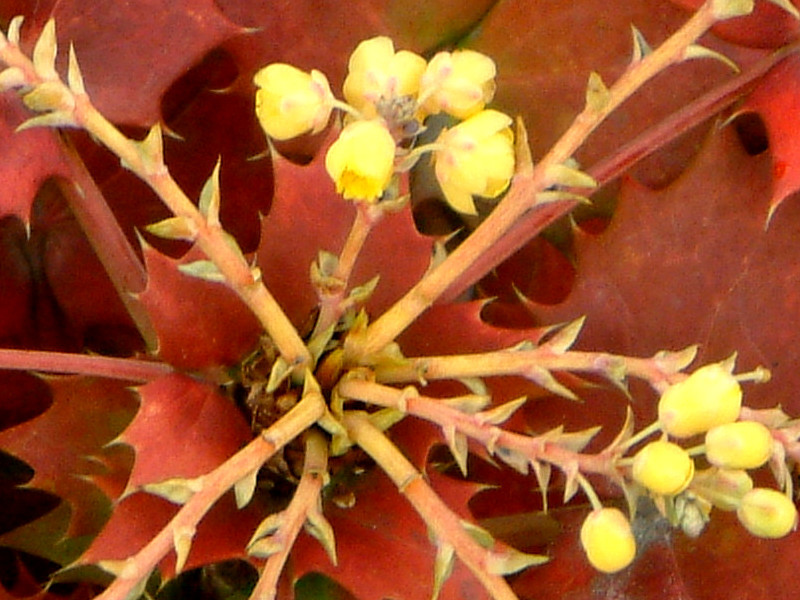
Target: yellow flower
<point>361,160</point>
<point>607,539</point>
<point>460,83</point>
<point>767,513</point>
<point>290,102</point>
<point>663,467</point>
<point>376,72</point>
<point>708,397</point>
<point>739,445</point>
<point>476,157</point>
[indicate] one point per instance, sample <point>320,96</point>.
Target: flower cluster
<point>706,403</point>
<point>388,95</point>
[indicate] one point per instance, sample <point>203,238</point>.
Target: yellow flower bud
<point>476,157</point>
<point>739,445</point>
<point>724,488</point>
<point>607,539</point>
<point>767,513</point>
<point>377,72</point>
<point>291,102</point>
<point>460,83</point>
<point>663,467</point>
<point>709,397</point>
<point>361,160</point>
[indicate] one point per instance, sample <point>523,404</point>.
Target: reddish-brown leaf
<point>777,102</point>
<point>66,446</point>
<point>216,331</point>
<point>308,216</point>
<point>184,428</point>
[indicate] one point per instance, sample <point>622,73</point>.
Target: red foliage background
<point>686,258</point>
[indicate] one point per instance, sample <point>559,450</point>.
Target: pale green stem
<point>654,427</point>
<point>589,491</point>
<point>332,301</point>
<point>522,195</point>
<point>350,110</point>
<point>212,486</point>
<point>443,522</point>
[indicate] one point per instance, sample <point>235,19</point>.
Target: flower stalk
<point>522,195</point>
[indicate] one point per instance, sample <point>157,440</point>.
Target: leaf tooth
<point>174,228</point>
<point>457,442</point>
<point>182,541</point>
<point>728,9</point>
<point>787,6</point>
<point>640,46</point>
<point>698,51</point>
<point>245,488</point>
<point>544,378</point>
<point>14,28</point>
<point>442,567</point>
<point>565,337</point>
<point>210,197</point>
<point>510,561</point>
<point>44,52</point>
<point>542,472</point>
<point>74,76</point>
<point>597,94</point>
<point>501,414</point>
<point>317,525</point>
<point>58,118</point>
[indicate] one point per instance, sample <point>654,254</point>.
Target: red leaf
<point>777,102</point>
<point>308,216</point>
<point>184,428</point>
<point>66,445</point>
<point>217,331</point>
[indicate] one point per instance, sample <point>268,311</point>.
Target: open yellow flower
<point>460,83</point>
<point>476,157</point>
<point>377,72</point>
<point>291,102</point>
<point>361,160</point>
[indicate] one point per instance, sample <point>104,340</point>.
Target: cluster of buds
<point>389,95</point>
<point>707,403</point>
